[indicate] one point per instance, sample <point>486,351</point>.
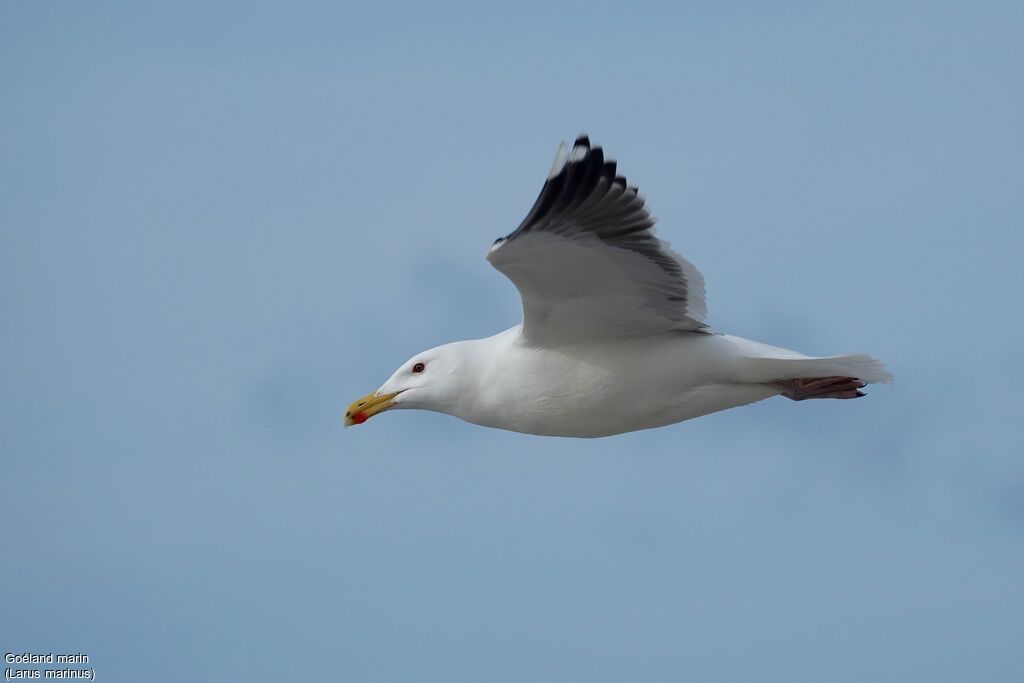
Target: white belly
<point>618,387</point>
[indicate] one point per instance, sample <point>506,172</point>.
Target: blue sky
<point>221,224</point>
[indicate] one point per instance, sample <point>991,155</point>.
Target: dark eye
<point>419,367</point>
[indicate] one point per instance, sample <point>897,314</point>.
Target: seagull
<point>613,337</point>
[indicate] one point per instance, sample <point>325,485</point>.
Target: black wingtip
<point>582,140</point>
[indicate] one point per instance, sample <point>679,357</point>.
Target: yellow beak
<point>362,410</point>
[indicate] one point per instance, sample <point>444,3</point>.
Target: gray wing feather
<point>586,261</point>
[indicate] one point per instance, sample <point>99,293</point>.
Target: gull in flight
<point>613,337</point>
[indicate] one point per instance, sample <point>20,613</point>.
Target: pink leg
<point>820,387</point>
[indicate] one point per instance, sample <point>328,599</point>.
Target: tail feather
<point>799,376</point>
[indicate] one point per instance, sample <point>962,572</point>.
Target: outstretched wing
<point>587,264</point>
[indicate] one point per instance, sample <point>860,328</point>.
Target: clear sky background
<point>220,223</point>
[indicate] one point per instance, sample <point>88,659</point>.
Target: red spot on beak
<point>359,418</point>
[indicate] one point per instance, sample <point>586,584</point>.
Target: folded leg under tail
<point>820,387</point>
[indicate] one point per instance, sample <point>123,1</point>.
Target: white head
<point>432,380</point>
